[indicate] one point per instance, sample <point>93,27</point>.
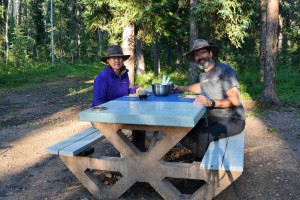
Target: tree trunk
<point>25,21</point>
<point>52,33</point>
<point>280,35</point>
<point>179,59</point>
<point>269,93</point>
<point>156,66</point>
<point>140,66</point>
<point>155,59</point>
<point>263,34</point>
<point>78,32</point>
<point>168,54</point>
<point>19,13</point>
<point>128,49</point>
<point>100,38</point>
<point>6,31</point>
<point>74,32</point>
<point>193,35</point>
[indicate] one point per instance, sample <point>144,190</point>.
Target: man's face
<point>203,57</point>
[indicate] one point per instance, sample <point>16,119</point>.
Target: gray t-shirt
<point>216,83</point>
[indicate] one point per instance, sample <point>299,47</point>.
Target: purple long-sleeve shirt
<point>108,86</point>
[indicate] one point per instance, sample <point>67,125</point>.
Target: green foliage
<point>272,131</point>
<point>290,49</point>
<point>224,19</point>
<point>21,49</point>
<point>71,91</point>
<point>149,78</point>
<point>288,84</point>
<point>250,84</point>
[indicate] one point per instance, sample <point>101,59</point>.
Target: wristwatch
<point>212,103</point>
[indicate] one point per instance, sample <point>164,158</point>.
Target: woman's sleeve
<point>132,90</point>
<point>100,91</point>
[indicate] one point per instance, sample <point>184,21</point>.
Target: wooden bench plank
<point>234,155</point>
<point>214,155</point>
<point>54,149</point>
<point>80,145</point>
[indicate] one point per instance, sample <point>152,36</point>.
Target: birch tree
<point>6,29</point>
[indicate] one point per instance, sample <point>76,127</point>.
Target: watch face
<point>212,104</point>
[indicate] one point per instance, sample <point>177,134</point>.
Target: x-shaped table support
<point>136,166</point>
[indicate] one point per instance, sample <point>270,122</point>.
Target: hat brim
<point>125,57</point>
<point>190,55</point>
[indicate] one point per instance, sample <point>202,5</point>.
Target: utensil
<point>167,81</point>
<point>163,80</point>
<point>160,90</point>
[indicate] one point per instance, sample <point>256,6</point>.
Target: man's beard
<point>207,63</point>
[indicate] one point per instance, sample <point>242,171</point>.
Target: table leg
<point>153,140</point>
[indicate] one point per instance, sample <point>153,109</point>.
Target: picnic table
<point>171,115</point>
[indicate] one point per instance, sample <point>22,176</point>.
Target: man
<point>220,94</point>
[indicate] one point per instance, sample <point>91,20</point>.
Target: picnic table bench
<point>77,143</point>
<point>223,158</point>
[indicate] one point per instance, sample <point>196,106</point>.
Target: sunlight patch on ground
<point>90,81</point>
<point>29,149</point>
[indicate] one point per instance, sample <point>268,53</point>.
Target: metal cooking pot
<point>161,90</point>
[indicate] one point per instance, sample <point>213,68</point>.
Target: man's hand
<point>202,100</point>
<point>178,88</point>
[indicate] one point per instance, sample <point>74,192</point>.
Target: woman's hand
<point>139,89</point>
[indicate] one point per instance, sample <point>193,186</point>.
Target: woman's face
<point>116,63</point>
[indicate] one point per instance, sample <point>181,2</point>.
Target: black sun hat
<point>114,51</point>
<point>201,44</point>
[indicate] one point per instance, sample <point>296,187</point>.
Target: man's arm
<point>190,88</point>
<point>232,100</point>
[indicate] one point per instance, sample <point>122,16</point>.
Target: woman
<point>113,82</point>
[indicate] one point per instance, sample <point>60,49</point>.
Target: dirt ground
<point>34,117</point>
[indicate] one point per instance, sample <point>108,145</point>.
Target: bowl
<point>160,90</point>
<point>143,95</point>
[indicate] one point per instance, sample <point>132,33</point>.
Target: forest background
<point>44,39</point>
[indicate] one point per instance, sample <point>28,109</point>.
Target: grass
<point>287,84</point>
<point>287,79</point>
<point>272,131</point>
<point>45,73</point>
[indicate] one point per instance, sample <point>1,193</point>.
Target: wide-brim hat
<point>114,51</point>
<point>201,44</point>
